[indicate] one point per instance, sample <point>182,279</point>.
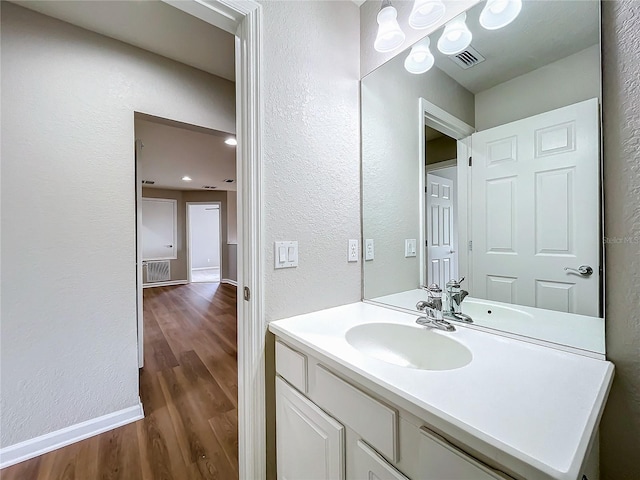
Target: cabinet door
<point>369,465</point>
<point>310,444</point>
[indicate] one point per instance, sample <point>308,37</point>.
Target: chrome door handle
<point>584,270</point>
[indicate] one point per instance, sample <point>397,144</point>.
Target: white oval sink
<point>408,346</point>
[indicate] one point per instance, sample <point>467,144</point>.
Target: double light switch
<point>286,254</point>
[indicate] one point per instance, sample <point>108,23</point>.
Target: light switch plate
<point>352,255</point>
<point>410,247</point>
<point>368,249</point>
<point>285,254</point>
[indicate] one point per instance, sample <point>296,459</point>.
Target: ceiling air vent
<point>209,187</point>
<point>468,58</point>
<point>148,182</point>
<point>228,180</point>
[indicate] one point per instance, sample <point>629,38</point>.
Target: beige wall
<point>620,432</point>
<point>180,265</point>
<point>558,84</point>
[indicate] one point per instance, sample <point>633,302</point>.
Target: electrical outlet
<point>368,249</point>
<point>352,255</point>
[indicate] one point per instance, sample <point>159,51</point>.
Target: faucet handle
<point>455,283</point>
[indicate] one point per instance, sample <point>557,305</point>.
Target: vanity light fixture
<point>390,36</point>
<point>186,178</point>
<point>499,13</point>
<point>231,141</point>
<point>420,59</point>
<point>426,13</point>
<point>456,36</point>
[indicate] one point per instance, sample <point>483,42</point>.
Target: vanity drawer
<point>440,460</point>
<point>292,366</point>
<point>375,422</point>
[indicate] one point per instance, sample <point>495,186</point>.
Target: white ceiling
<point>151,25</point>
<point>173,150</point>
<point>545,31</point>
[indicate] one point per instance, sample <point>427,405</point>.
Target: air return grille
<point>158,271</point>
<point>209,187</point>
<point>467,59</point>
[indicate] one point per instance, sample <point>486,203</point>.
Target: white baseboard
<point>229,282</point>
<point>205,268</point>
<point>60,438</point>
<point>165,284</point>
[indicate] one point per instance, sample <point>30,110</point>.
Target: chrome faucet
<point>454,295</point>
<point>433,308</point>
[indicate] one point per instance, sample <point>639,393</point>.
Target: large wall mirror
<point>487,166</point>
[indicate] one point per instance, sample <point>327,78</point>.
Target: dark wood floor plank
<point>189,392</point>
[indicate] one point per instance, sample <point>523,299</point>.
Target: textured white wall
<point>369,58</point>
<point>311,152</point>
<point>390,163</point>
<point>565,82</point>
<point>68,245</point>
<point>620,432</point>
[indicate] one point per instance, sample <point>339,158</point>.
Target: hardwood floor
<point>189,392</point>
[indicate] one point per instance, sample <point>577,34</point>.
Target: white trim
<point>204,268</point>
<point>139,275</point>
<point>431,115</point>
<point>169,283</point>
<point>66,436</point>
<point>228,281</point>
<point>187,229</point>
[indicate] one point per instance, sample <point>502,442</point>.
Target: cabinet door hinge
<point>470,161</point>
<point>247,294</point>
<point>470,245</point>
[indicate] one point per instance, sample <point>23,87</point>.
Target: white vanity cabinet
<point>335,430</point>
<point>310,444</point>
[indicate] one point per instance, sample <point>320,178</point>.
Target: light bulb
<point>499,13</point>
<point>456,36</point>
<point>420,58</point>
<point>426,13</point>
<point>390,35</point>
<point>231,141</point>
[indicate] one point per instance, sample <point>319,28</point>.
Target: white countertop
<point>539,406</point>
<point>570,329</point>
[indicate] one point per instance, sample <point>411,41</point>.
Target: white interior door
<point>535,210</point>
<point>441,258</point>
<point>139,298</point>
<point>159,229</point>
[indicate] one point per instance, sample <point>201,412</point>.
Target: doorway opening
<point>204,242</point>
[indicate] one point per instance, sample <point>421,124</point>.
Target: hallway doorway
<point>204,242</point>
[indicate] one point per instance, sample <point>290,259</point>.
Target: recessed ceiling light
<point>186,178</point>
<point>231,141</point>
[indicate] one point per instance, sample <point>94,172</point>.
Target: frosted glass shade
<point>420,59</point>
<point>426,13</point>
<point>499,13</point>
<point>456,36</point>
<point>390,35</point>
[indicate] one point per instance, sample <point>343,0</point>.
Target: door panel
<point>534,210</point>
<point>159,229</point>
<point>441,259</point>
<point>310,444</point>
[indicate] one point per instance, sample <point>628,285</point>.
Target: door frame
<point>430,115</point>
<point>188,234</point>
<point>243,18</point>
